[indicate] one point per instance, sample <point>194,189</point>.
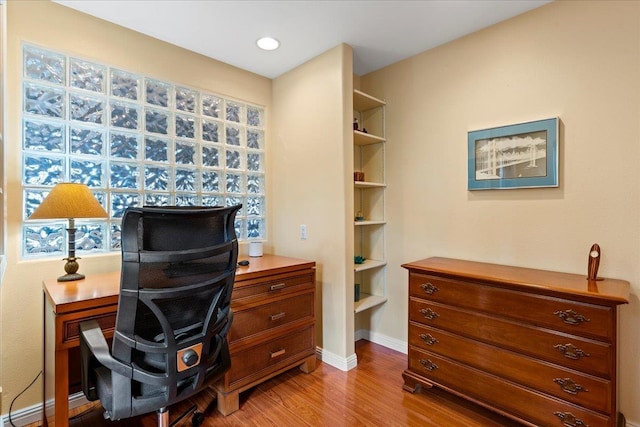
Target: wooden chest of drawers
<point>537,346</point>
<point>273,327</point>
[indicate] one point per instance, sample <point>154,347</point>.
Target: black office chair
<point>178,268</point>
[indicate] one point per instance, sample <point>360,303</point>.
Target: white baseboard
<point>33,414</point>
<point>344,364</point>
<point>383,340</point>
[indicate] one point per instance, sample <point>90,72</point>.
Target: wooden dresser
<point>273,327</point>
<point>537,346</point>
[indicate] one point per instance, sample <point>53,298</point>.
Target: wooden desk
<point>269,282</point>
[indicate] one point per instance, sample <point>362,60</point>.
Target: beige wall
<point>578,60</point>
<point>50,25</point>
<point>311,184</point>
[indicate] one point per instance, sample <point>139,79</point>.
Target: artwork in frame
<point>523,155</point>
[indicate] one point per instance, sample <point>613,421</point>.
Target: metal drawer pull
<point>570,420</point>
<point>429,288</point>
<point>278,286</point>
<point>569,386</point>
<point>429,314</point>
<point>277,316</point>
<point>428,339</point>
<point>428,365</point>
<point>278,353</point>
<point>570,351</point>
<point>571,317</point>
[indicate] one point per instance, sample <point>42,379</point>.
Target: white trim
<point>33,414</point>
<point>383,340</point>
<point>344,364</point>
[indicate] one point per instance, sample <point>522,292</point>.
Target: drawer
<point>247,323</point>
<point>584,355</point>
<point>276,285</point>
<point>534,407</point>
<point>69,324</point>
<point>260,361</point>
<point>573,317</point>
<point>584,390</point>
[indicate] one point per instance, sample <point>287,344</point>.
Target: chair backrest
<point>178,268</point>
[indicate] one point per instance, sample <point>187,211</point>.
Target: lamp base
<point>70,277</point>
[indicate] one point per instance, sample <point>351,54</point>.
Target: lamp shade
<point>69,200</point>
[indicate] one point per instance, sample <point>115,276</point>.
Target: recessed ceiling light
<point>268,43</point>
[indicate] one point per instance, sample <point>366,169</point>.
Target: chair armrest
<point>94,352</point>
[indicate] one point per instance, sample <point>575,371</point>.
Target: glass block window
<point>134,140</point>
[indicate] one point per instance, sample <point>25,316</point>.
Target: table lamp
<point>70,200</point>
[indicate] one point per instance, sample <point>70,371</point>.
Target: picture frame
<point>523,155</point>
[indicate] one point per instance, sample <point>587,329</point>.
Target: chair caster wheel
<point>197,419</point>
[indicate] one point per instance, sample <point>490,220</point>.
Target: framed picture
<point>523,155</point>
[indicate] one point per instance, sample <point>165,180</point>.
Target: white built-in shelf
<point>369,222</point>
<point>364,102</point>
<point>365,184</point>
<point>368,301</point>
<point>368,265</point>
<point>361,138</point>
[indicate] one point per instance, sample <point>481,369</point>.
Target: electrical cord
<point>20,394</point>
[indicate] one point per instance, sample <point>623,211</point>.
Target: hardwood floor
<point>369,395</point>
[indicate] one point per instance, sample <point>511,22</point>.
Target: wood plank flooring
<point>369,395</point>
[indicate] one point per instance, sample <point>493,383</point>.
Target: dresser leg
<point>309,364</point>
<point>413,384</point>
<point>228,403</point>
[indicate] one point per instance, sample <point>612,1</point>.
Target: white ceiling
<point>380,32</point>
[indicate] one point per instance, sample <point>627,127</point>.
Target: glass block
<point>32,199</point>
<point>156,149</point>
<point>45,239</point>
<point>211,156</point>
<point>44,65</point>
<point>211,181</point>
<point>87,172</point>
<point>187,200</point>
<point>156,121</point>
<point>233,135</point>
<point>124,115</point>
<point>157,199</point>
<point>255,228</point>
<point>156,178</point>
<point>43,136</point>
<point>123,175</point>
<point>234,183</point>
<point>124,85</point>
<point>211,130</point>
<point>43,170</point>
<point>233,201</point>
<point>87,75</point>
<point>234,159</point>
<point>157,92</point>
<point>211,105</point>
<point>43,100</point>
<point>185,126</point>
<point>255,206</point>
<point>90,237</point>
<point>235,112</point>
<point>115,234</point>
<point>86,109</point>
<point>255,139</point>
<point>239,228</point>
<point>186,100</point>
<point>212,200</point>
<point>124,145</point>
<point>87,141</point>
<point>255,162</point>
<point>255,116</point>
<point>185,153</point>
<point>186,179</point>
<point>121,201</point>
<point>255,184</point>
